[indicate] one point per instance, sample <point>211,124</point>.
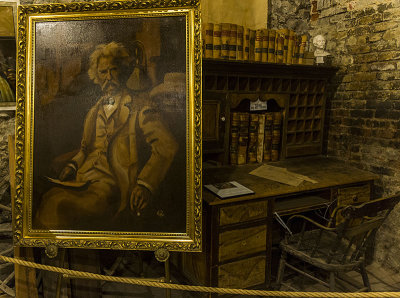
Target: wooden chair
<point>335,248</point>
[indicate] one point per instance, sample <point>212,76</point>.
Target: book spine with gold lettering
<point>234,144</point>
<point>253,131</point>
<point>233,42</point>
<point>208,53</point>
<point>252,45</point>
<point>258,45</point>
<point>225,35</point>
<point>276,136</point>
<point>260,137</point>
<point>217,41</point>
<point>285,44</point>
<point>302,48</point>
<point>268,136</point>
<point>296,48</point>
<point>246,44</point>
<point>264,55</point>
<point>243,138</point>
<point>280,38</point>
<point>290,47</point>
<point>239,42</point>
<point>276,44</point>
<point>271,46</point>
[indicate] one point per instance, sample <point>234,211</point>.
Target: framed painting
<point>108,125</point>
<point>8,12</point>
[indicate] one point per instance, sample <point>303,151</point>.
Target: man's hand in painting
<point>139,199</point>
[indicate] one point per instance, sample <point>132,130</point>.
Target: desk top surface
<point>328,172</point>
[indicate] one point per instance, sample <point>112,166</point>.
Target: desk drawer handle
<point>244,243</point>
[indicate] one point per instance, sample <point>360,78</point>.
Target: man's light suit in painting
<point>109,165</point>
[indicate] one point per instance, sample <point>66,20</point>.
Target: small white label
<point>258,105</point>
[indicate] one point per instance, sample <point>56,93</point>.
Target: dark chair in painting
<point>334,248</point>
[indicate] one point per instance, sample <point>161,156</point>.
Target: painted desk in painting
<point>239,232</point>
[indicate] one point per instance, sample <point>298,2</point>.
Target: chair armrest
<point>310,221</point>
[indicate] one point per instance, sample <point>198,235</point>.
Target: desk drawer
<point>242,274</point>
<point>242,212</point>
<point>352,195</point>
<point>242,242</point>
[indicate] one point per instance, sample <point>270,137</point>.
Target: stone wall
<point>6,129</point>
<point>292,14</point>
<point>364,113</point>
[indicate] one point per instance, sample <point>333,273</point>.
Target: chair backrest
<point>359,227</point>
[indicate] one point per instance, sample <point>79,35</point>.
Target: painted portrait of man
<point>109,152</point>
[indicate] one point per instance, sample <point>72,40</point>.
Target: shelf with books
<point>229,41</point>
<point>300,98</point>
<point>255,137</point>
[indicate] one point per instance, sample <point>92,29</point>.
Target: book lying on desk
<point>228,189</point>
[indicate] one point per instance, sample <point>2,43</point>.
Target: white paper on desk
<point>281,175</point>
<point>306,178</point>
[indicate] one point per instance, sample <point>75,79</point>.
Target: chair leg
<point>331,281</point>
<point>281,269</point>
<point>365,278</point>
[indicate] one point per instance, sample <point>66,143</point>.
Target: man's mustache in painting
<point>109,85</point>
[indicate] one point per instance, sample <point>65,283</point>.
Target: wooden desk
<point>238,231</point>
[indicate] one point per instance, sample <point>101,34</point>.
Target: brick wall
<point>292,14</point>
<point>364,113</point>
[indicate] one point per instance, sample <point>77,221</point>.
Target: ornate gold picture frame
<point>108,125</point>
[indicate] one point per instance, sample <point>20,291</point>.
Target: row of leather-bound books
<point>234,42</point>
<point>255,137</point>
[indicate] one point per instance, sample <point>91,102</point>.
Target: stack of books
<point>255,137</point>
<point>234,42</point>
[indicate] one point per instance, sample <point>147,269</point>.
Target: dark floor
<point>147,267</point>
<point>152,270</point>
<point>381,280</point>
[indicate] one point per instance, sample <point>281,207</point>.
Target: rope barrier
<point>140,282</point>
